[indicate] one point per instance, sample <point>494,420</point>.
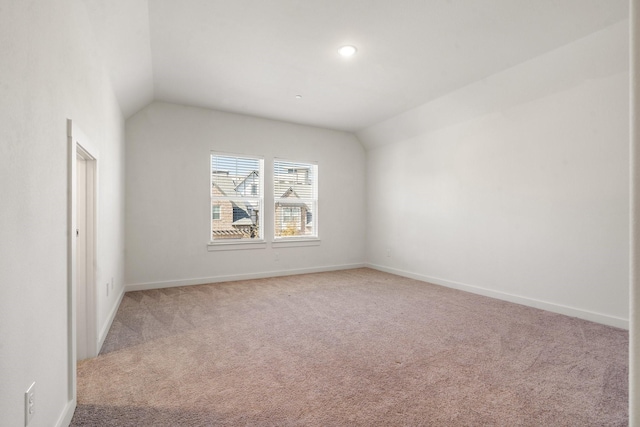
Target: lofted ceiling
<point>254,56</point>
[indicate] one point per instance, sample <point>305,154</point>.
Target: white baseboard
<point>107,325</point>
<point>67,414</point>
<point>530,302</point>
<point>236,277</point>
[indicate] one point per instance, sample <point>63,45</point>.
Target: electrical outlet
<point>107,288</point>
<point>276,256</point>
<point>29,403</point>
<point>388,253</point>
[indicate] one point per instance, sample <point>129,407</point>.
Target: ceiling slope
<point>254,56</point>
<point>121,28</point>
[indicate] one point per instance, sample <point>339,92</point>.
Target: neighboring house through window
<point>236,197</point>
<point>295,198</point>
<point>215,211</point>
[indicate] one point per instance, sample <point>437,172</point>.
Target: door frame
<point>90,235</point>
<point>79,145</point>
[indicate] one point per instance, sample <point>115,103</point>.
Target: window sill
<point>237,245</point>
<point>290,243</point>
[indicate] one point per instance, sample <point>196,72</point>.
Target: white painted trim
<point>75,139</point>
<point>236,277</point>
<point>634,223</point>
<point>315,199</point>
<point>91,201</point>
<point>236,245</point>
<point>107,325</point>
<point>530,302</point>
<point>290,243</point>
<point>71,263</point>
<point>67,414</point>
<point>212,246</point>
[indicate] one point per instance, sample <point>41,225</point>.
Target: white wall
<point>516,186</point>
<point>168,205</point>
<point>50,72</point>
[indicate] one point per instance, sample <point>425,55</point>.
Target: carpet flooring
<point>349,348</point>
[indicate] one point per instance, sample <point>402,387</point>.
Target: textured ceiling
<point>254,56</point>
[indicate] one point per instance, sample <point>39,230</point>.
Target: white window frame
<point>238,243</point>
<point>301,239</point>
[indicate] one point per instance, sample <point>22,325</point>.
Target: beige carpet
<point>349,348</point>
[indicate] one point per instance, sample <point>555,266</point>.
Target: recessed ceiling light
<point>298,96</point>
<point>347,51</point>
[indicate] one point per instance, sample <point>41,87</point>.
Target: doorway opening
<point>82,235</point>
<point>85,253</point>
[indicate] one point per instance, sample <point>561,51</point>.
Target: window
<point>236,198</point>
<point>296,200</point>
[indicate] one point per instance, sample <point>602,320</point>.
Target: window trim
<point>314,201</point>
<point>238,243</point>
<point>302,241</point>
<point>234,245</point>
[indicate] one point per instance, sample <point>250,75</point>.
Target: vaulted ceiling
<point>254,56</point>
